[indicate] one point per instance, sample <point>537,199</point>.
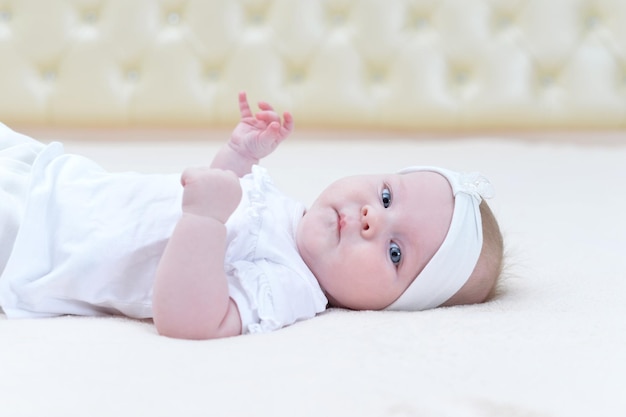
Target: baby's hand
<point>210,192</point>
<point>257,135</point>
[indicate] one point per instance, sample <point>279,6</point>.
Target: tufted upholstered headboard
<point>416,64</point>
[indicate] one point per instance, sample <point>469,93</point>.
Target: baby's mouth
<point>341,223</point>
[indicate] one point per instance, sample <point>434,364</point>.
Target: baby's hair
<point>493,247</point>
<point>481,286</point>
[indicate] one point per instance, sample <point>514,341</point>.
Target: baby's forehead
<point>410,178</point>
<point>425,178</point>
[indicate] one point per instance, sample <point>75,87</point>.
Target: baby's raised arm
<point>254,137</point>
<point>191,299</point>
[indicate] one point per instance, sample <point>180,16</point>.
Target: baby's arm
<point>191,299</point>
<point>254,137</point>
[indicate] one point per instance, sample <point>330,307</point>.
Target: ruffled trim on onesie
<point>256,289</point>
<point>268,286</point>
<point>253,281</point>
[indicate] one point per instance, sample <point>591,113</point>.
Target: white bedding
<point>553,343</point>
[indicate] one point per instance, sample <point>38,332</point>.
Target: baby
<point>227,253</point>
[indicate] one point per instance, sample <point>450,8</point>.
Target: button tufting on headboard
<point>419,64</point>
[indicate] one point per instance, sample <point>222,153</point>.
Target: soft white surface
<point>552,344</point>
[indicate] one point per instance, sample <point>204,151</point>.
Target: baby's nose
<point>368,221</point>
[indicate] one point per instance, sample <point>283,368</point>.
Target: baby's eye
<point>394,253</point>
<point>386,197</point>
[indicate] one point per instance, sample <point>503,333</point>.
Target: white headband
<point>453,263</point>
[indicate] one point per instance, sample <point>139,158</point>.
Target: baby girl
<point>227,253</point>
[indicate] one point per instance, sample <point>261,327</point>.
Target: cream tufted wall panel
<point>419,64</point>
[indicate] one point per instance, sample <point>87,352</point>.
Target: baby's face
<point>367,237</point>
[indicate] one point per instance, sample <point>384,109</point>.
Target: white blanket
<point>553,343</point>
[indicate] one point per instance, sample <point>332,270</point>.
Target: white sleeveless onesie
<point>88,242</point>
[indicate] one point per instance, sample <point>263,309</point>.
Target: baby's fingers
<point>244,107</point>
<point>268,117</point>
<point>274,128</point>
<point>264,105</point>
<point>288,123</point>
<point>191,174</point>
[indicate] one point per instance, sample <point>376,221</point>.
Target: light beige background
<point>411,64</point>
